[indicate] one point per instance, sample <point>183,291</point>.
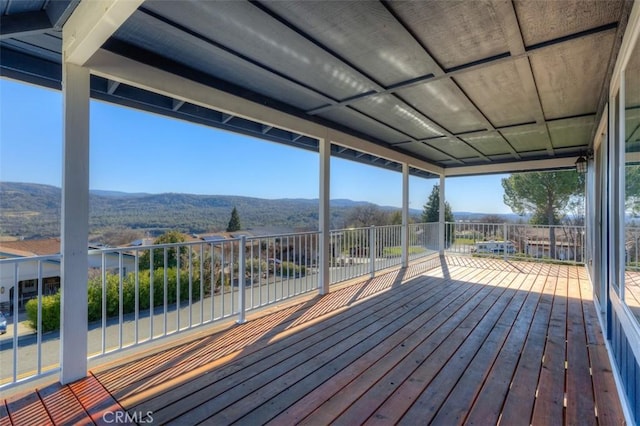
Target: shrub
<point>50,312</point>
<point>255,264</point>
<point>290,269</point>
<point>144,289</point>
<point>51,304</point>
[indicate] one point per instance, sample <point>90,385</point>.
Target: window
<point>631,250</point>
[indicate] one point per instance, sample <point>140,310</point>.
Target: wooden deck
<point>471,341</point>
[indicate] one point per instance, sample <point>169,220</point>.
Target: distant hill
<point>33,211</point>
<point>476,217</point>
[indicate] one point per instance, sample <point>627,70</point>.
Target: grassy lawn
<point>397,251</point>
<point>465,241</point>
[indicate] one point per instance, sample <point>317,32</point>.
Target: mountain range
<point>31,210</point>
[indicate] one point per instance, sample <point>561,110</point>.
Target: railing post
<point>14,315</point>
<point>404,240</point>
<point>372,248</point>
<point>442,218</point>
<point>504,238</point>
<point>241,280</point>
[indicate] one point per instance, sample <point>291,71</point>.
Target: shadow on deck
<point>449,341</point>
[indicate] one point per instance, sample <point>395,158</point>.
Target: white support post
<point>405,215</point>
<point>242,266</point>
<point>324,146</point>
<point>75,224</point>
<point>441,217</point>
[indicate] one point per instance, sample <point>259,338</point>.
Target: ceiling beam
<point>461,69</point>
<point>513,167</point>
<point>226,118</point>
<point>177,104</point>
<point>59,11</point>
<point>377,87</point>
<point>513,36</point>
<point>428,78</point>
<point>118,68</point>
<point>249,61</point>
<point>91,24</point>
<point>24,24</point>
<point>112,86</point>
<point>438,71</point>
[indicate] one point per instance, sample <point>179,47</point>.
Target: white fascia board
<point>118,68</point>
<point>91,24</point>
<point>515,167</point>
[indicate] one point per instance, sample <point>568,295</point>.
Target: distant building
<point>28,271</point>
<point>495,247</point>
<point>564,250</point>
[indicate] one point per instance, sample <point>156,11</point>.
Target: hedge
<point>50,312</point>
<point>51,304</point>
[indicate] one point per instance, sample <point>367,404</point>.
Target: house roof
<point>41,247</point>
<point>460,87</point>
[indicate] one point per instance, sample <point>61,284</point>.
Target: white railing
<point>349,253</point>
<point>280,266</point>
<point>632,248</point>
<point>158,290</point>
<point>558,243</point>
<point>357,252</point>
<point>23,354</point>
<point>140,294</point>
<point>423,239</point>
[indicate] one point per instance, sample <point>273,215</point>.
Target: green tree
<point>431,210</point>
<point>234,222</point>
<point>547,196</point>
<point>492,218</point>
<point>365,215</point>
<point>396,218</point>
<point>169,237</point>
<point>431,213</point>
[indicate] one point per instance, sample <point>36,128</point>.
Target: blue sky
<point>135,151</point>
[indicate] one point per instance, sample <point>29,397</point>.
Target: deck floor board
<point>63,406</point>
<point>452,411</point>
<point>427,327</point>
<point>469,341</point>
<point>293,348</point>
<point>549,403</point>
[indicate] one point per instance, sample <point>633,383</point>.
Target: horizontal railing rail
<point>557,243</point>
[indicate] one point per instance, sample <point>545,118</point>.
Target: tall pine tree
<point>431,210</point>
<point>234,222</point>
